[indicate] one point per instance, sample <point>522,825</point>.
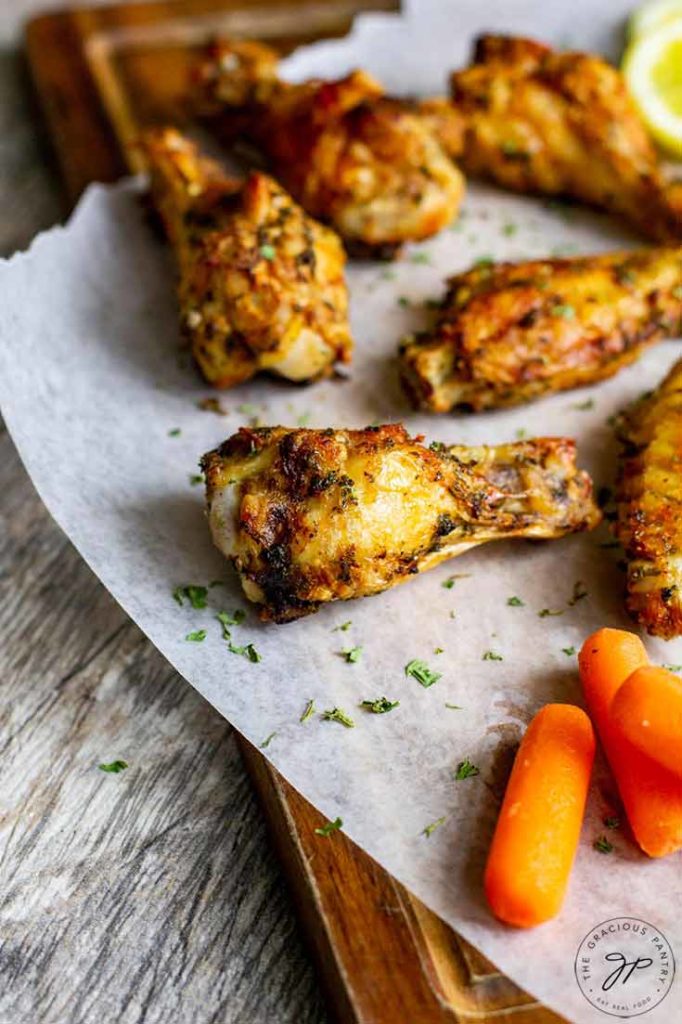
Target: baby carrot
<point>648,711</point>
<point>538,828</point>
<point>652,796</point>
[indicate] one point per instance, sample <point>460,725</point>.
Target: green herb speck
<point>420,671</point>
<point>380,706</point>
<point>113,767</point>
<point>430,829</point>
<point>465,770</point>
<point>331,826</point>
<point>338,715</point>
<point>308,712</point>
<point>196,636</point>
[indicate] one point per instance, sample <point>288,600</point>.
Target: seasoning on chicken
<point>261,284</point>
<point>310,516</point>
<point>538,121</point>
<point>649,497</point>
<point>350,155</point>
<point>509,332</point>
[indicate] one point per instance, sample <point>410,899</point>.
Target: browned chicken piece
<point>261,284</point>
<point>510,332</point>
<point>350,155</point>
<point>310,516</point>
<point>649,498</point>
<point>538,121</point>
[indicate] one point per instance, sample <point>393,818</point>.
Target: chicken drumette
<point>510,332</point>
<point>351,156</point>
<point>310,516</point>
<point>261,284</point>
<point>649,496</point>
<point>539,121</point>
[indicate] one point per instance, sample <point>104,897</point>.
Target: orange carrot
<point>648,711</point>
<point>539,824</point>
<point>651,795</point>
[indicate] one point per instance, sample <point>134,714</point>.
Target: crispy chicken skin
<point>261,284</point>
<point>538,121</point>
<point>510,332</point>
<point>649,495</point>
<point>310,516</point>
<point>351,156</point>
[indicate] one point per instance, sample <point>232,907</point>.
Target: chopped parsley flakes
<point>352,654</point>
<point>578,594</point>
<point>545,612</point>
<point>175,432</point>
<point>583,406</point>
<point>454,707</point>
<point>515,602</point>
<point>612,822</point>
<point>491,656</point>
<point>563,310</point>
<point>227,619</point>
<point>113,767</point>
<point>465,770</point>
<point>196,636</point>
<point>451,580</point>
<point>568,651</point>
<point>331,826</point>
<point>308,712</point>
<point>430,829</point>
<point>247,651</point>
<point>343,627</point>
<point>196,595</point>
<point>602,845</point>
<point>380,706</point>
<point>420,671</point>
<point>338,715</point>
<point>266,741</point>
<point>267,252</point>
<point>196,478</point>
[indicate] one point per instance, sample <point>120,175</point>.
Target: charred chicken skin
<point>648,495</point>
<point>261,284</point>
<point>351,156</point>
<point>538,121</point>
<point>311,516</point>
<point>510,332</point>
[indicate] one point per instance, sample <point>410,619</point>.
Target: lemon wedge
<point>652,66</point>
<point>652,15</point>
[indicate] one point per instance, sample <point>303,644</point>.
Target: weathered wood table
<point>151,895</point>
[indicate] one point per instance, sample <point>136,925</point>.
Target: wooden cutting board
<point>100,75</point>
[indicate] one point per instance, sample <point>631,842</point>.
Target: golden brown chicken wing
<point>351,156</point>
<point>509,332</point>
<point>535,120</point>
<point>261,284</point>
<point>649,499</point>
<point>309,516</point>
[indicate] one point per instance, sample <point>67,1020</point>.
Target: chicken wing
<point>351,156</point>
<point>649,498</point>
<point>509,332</point>
<point>261,284</point>
<point>538,121</point>
<point>310,516</point>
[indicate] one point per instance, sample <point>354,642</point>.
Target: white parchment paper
<point>94,392</point>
